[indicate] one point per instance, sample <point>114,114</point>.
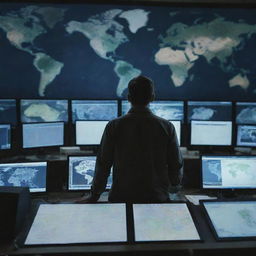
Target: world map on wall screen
<point>92,51</point>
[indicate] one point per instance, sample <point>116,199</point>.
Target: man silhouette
<point>143,150</point>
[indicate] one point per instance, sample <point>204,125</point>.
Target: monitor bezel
<point>10,138</point>
<point>46,173</point>
<point>87,145</point>
<point>219,189</point>
<point>42,99</point>
<point>210,224</point>
<point>43,147</point>
<point>68,172</point>
<point>116,100</point>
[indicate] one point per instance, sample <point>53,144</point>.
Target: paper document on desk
<point>194,199</point>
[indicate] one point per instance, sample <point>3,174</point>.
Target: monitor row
<point>38,110</point>
<point>112,223</point>
<point>217,172</point>
<point>89,133</point>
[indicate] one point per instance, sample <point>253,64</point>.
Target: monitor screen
<point>78,223</point>
<point>177,126</point>
<point>228,172</point>
<point>163,222</point>
<point>81,172</point>
<point>89,132</point>
<point>8,111</point>
<point>35,111</point>
<point>94,110</point>
<point>5,136</point>
<point>246,135</point>
<point>43,134</point>
<point>212,133</point>
<point>170,110</point>
<point>209,111</point>
<point>246,112</point>
<point>229,219</point>
<point>32,175</point>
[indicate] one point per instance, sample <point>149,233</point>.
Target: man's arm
<point>103,163</point>
<point>174,159</point>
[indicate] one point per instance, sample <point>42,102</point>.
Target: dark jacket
<point>145,155</point>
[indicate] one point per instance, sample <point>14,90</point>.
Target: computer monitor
<point>5,136</point>
<point>81,172</point>
<point>246,112</point>
<point>228,172</point>
<point>177,126</point>
<point>231,219</point>
<point>32,175</point>
<point>35,111</point>
<point>43,134</point>
<point>94,110</point>
<point>209,111</point>
<point>211,133</point>
<point>246,135</point>
<point>78,224</point>
<point>163,222</point>
<point>8,111</point>
<point>89,132</point>
<point>170,110</point>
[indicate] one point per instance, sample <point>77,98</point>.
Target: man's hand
<point>87,199</point>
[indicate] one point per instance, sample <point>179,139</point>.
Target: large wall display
<point>93,50</point>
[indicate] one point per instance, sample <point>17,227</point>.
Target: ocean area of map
<point>233,219</point>
<point>91,51</point>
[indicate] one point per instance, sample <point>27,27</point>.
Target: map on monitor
<point>78,223</point>
<point>163,222</point>
<point>81,172</point>
<point>32,175</point>
<point>170,110</point>
<point>5,136</point>
<point>228,172</point>
<point>232,219</point>
<point>94,110</point>
<point>8,111</point>
<point>246,112</point>
<point>89,132</point>
<point>209,111</point>
<point>246,135</point>
<point>35,111</point>
<point>211,133</point>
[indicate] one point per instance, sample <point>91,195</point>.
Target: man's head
<point>141,91</point>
